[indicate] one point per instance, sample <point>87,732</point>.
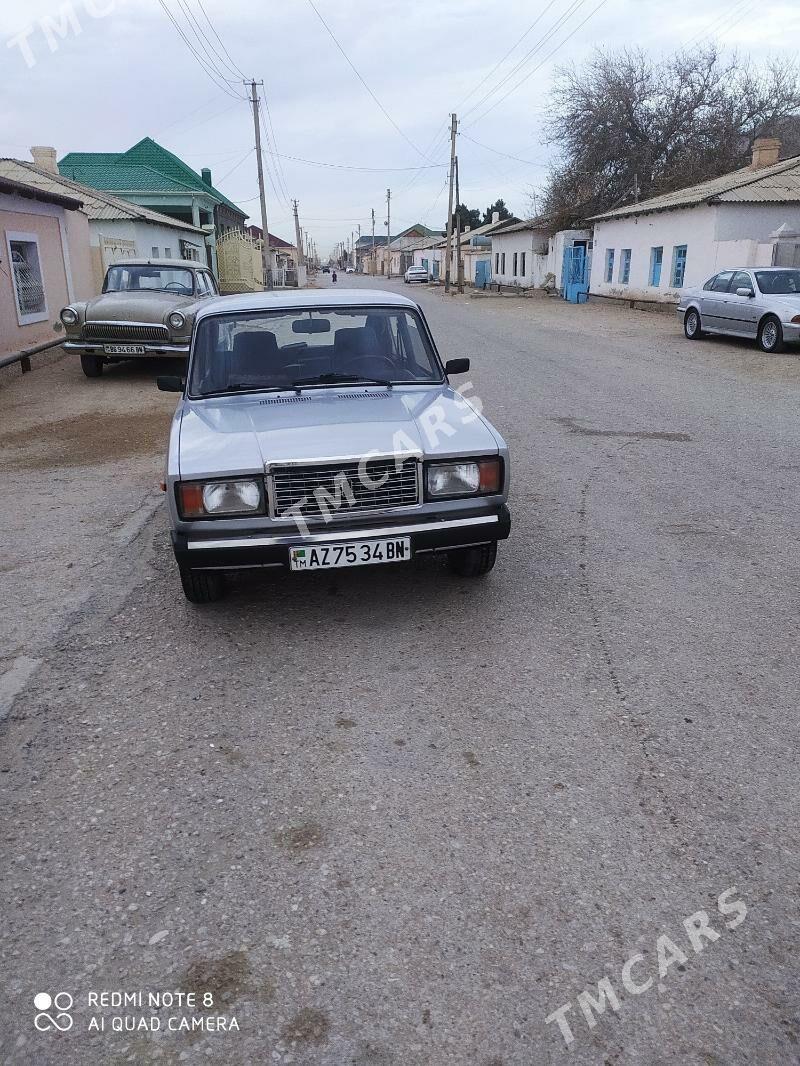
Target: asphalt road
<point>392,817</point>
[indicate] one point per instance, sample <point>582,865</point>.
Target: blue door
<point>483,273</point>
<point>575,274</point>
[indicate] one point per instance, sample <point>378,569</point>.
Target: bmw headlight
<point>198,499</point>
<point>176,320</point>
<point>472,477</point>
<point>69,316</point>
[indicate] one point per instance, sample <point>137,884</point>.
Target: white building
<point>517,252</point>
<point>653,249</point>
<point>119,229</point>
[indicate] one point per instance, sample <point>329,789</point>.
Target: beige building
<point>118,229</point>
<point>44,262</point>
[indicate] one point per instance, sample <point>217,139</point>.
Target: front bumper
<point>151,348</point>
<point>428,534</point>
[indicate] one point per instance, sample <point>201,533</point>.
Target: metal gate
<point>483,273</point>
<point>575,276</point>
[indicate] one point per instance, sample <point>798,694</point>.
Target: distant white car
<point>417,273</point>
<point>350,270</point>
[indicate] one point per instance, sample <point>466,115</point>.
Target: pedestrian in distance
<point>333,277</point>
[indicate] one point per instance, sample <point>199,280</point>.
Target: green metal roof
<point>146,167</point>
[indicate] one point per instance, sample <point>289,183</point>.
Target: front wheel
<point>202,586</point>
<point>770,336</point>
<point>473,562</point>
<point>92,365</point>
<point>691,325</point>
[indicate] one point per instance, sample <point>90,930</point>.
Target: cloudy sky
<point>118,70</point>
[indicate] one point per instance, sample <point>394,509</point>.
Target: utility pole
<point>459,261</point>
<point>357,244</point>
<point>453,129</point>
<point>301,259</point>
<point>266,264</point>
<point>388,233</point>
<point>636,188</point>
<point>374,264</point>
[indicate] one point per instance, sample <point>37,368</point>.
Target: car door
<point>741,312</point>
<point>714,308</point>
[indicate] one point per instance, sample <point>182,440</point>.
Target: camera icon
<point>61,1004</point>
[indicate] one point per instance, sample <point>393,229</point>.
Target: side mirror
<point>745,292</point>
<point>170,383</point>
<point>456,366</point>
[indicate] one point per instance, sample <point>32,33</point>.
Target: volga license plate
<point>359,553</point>
<point>124,349</point>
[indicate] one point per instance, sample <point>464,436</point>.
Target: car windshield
<point>305,348</point>
<point>131,278</point>
<point>779,282</point>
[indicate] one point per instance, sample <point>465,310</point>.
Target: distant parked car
<point>319,429</point>
<point>146,308</point>
<point>350,270</point>
<point>326,270</point>
<point>762,303</point>
<point>416,273</point>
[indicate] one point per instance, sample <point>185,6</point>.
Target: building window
<point>23,255</point>
<point>678,265</point>
<point>656,259</point>
<point>522,263</point>
<point>624,266</point>
<point>497,262</point>
<point>502,262</point>
<point>516,257</point>
<point>168,253</point>
<point>154,252</point>
<point>609,264</point>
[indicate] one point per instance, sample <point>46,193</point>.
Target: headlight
<point>69,316</point>
<point>199,499</point>
<point>474,477</point>
<point>176,320</point>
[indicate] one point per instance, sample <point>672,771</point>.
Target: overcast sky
<point>127,74</point>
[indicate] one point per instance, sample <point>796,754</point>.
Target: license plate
<point>124,349</point>
<point>359,553</point>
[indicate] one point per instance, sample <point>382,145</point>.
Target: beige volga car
<point>146,308</point>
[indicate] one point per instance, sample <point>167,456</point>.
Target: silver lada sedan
<point>319,429</point>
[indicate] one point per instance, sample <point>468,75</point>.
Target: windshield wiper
<point>339,379</point>
<point>247,386</point>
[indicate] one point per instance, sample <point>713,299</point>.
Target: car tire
<point>473,562</point>
<point>92,365</point>
<point>770,335</point>
<point>202,586</point>
<point>692,326</point>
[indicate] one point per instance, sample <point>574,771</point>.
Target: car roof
<point>300,299</point>
<point>191,263</point>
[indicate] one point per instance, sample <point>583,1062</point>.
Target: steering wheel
<point>356,365</point>
<point>176,285</point>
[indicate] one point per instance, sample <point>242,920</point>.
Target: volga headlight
<point>199,499</point>
<point>472,477</point>
<point>176,320</point>
<point>69,316</point>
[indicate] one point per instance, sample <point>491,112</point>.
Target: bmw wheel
<point>770,336</point>
<point>691,325</point>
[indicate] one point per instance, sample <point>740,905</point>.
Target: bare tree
<point>628,124</point>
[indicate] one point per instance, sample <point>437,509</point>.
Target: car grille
<point>108,331</point>
<point>293,484</point>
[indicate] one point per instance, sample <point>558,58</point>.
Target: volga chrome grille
<point>108,331</point>
<point>339,488</point>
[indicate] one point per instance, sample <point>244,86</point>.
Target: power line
<point>358,75</point>
<point>211,72</point>
<point>204,43</point>
<point>530,162</point>
<point>540,43</point>
<point>539,66</point>
<point>234,68</point>
<point>271,138</point>
<point>345,166</point>
<point>247,155</point>
<point>500,62</point>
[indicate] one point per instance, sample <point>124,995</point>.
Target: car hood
<point>243,434</point>
<point>134,306</point>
